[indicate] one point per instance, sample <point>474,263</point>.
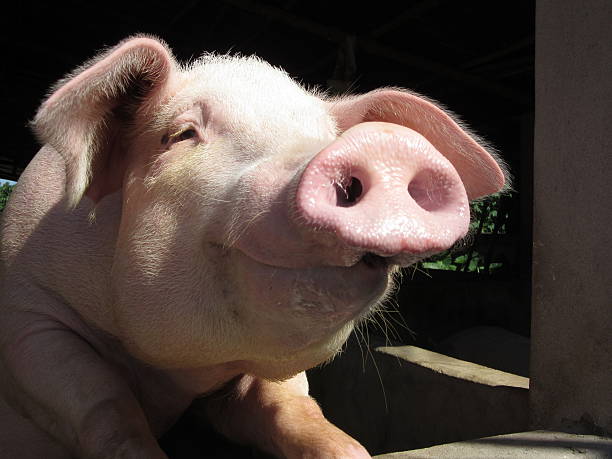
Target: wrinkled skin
<point>190,230</point>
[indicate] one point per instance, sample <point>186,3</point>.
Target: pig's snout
<point>384,189</point>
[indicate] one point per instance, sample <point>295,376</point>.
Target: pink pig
<point>211,228</point>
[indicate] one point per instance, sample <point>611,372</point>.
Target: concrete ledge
<point>456,368</point>
<point>533,445</point>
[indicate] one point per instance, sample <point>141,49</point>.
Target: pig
<point>210,230</point>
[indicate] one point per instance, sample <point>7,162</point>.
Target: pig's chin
<point>311,303</point>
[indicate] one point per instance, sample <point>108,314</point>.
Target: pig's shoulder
<point>40,230</point>
<point>40,187</point>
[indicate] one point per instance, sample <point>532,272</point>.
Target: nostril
<point>430,190</point>
<point>347,196</point>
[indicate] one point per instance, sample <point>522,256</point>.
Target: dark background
<point>476,57</point>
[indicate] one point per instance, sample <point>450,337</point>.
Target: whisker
<point>382,385</point>
<point>358,333</point>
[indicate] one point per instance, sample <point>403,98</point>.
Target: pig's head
<point>260,221</point>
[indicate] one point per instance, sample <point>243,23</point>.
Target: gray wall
<point>571,363</point>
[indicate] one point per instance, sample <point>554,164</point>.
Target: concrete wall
<point>571,361</point>
<point>401,398</point>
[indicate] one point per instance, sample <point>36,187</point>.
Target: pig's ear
<point>82,109</point>
<point>482,173</point>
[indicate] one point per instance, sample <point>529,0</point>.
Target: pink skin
<point>223,229</point>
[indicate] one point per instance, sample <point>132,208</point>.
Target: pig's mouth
<point>374,261</point>
<point>332,295</point>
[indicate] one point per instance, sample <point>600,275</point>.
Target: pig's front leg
<point>280,418</point>
<point>56,378</point>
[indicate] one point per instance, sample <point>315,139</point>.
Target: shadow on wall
<point>402,398</point>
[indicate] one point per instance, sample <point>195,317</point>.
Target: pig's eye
<point>184,135</point>
<point>180,136</point>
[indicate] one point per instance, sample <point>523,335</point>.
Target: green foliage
<point>5,192</point>
<point>487,213</point>
<point>488,218</point>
